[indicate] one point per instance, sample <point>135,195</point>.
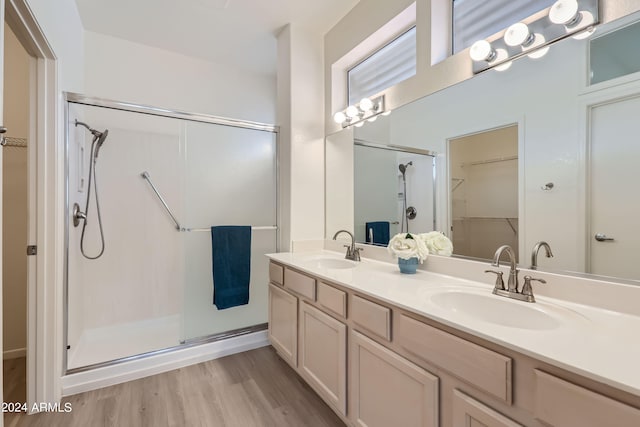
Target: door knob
<point>603,238</point>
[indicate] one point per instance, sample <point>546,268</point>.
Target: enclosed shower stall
<point>162,180</point>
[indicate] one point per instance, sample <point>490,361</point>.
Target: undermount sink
<point>503,311</point>
<point>332,263</point>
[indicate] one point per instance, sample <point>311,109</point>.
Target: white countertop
<point>593,342</point>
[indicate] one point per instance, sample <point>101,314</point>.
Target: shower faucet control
<point>78,215</point>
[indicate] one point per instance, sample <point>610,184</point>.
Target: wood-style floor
<point>255,388</point>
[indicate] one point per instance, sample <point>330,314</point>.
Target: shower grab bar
<point>146,176</point>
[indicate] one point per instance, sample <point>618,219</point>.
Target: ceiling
<point>234,32</point>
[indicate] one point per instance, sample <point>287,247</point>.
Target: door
<point>283,324</point>
<point>1,160</point>
<point>388,390</point>
<point>323,355</point>
<point>614,231</point>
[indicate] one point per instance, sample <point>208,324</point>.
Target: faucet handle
<point>356,253</point>
<point>527,289</point>
<point>499,286</point>
<point>349,253</point>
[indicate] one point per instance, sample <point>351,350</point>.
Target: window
<point>388,66</point>
<point>478,19</point>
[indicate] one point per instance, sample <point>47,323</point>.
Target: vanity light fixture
<point>366,110</point>
<point>533,36</point>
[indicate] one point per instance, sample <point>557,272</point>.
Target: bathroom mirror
<point>576,157</point>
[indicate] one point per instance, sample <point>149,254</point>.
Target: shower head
<point>101,137</point>
<point>98,137</point>
<point>403,168</point>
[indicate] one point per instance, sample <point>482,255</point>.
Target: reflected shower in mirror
<point>393,192</point>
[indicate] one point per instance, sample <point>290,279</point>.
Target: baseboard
<point>140,368</point>
<point>14,354</point>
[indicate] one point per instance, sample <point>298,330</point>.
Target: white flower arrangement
<point>407,246</point>
<point>437,243</point>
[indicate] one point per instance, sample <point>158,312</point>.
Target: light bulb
<point>372,119</point>
<point>539,53</point>
<point>339,117</point>
<point>585,34</point>
<point>386,113</point>
<point>504,67</point>
<point>539,41</point>
<point>482,51</point>
<point>564,12</point>
<point>501,55</point>
<point>352,111</point>
<point>359,124</point>
<point>518,35</point>
<point>366,104</point>
<point>586,19</point>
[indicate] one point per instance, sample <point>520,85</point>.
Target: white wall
<point>125,71</point>
<point>14,203</point>
<point>61,24</point>
<point>300,110</point>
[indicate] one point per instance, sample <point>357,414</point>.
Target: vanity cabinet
<point>323,355</point>
<point>388,390</point>
<point>283,324</point>
<point>377,364</point>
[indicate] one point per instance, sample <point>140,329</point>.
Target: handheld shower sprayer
<point>78,215</point>
<point>403,168</point>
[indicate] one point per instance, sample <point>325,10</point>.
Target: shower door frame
<point>75,98</point>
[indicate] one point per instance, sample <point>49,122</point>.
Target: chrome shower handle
<point>78,215</point>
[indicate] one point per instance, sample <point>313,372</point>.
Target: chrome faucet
<point>353,253</point>
<point>526,294</point>
<point>534,253</point>
<point>512,284</point>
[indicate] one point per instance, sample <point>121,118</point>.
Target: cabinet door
<point>323,355</point>
<point>283,324</point>
<point>468,412</point>
<point>388,390</point>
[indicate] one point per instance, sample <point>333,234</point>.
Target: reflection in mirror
<point>615,54</point>
<point>484,192</point>
<point>576,158</point>
<point>393,192</point>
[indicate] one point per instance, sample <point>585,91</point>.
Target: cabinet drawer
<point>469,412</point>
<point>300,284</point>
<point>276,273</point>
<point>371,317</point>
<point>554,397</point>
<point>332,299</point>
<point>482,368</point>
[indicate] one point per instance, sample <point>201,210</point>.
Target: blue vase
<point>408,266</point>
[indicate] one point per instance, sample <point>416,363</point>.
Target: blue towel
<point>380,231</point>
<point>231,250</point>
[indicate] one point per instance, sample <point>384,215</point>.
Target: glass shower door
<point>230,179</point>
